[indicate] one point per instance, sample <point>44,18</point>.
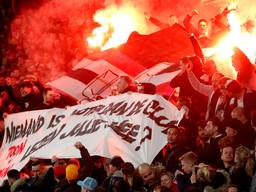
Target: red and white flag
<point>145,58</point>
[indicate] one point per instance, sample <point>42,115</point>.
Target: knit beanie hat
<point>59,171</point>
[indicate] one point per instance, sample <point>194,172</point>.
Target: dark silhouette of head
<point>242,65</point>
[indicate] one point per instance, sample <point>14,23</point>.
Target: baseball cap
<point>88,183</point>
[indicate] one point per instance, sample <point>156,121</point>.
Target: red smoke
<point>50,37</point>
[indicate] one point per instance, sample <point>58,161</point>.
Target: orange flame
<point>117,23</point>
<point>224,48</point>
<point>236,37</point>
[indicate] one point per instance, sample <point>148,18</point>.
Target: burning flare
<point>236,37</point>
<point>117,23</point>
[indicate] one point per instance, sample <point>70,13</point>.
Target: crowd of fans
<point>212,149</point>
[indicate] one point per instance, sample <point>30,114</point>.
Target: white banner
<point>131,125</point>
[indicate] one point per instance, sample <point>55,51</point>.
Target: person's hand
<point>194,12</point>
<point>78,145</point>
<point>178,172</point>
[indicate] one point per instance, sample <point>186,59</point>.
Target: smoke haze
<point>49,35</point>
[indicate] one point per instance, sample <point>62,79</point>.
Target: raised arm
<point>87,164</point>
<point>188,25</point>
<point>158,23</point>
<point>198,86</point>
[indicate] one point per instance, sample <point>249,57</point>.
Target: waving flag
<point>145,58</point>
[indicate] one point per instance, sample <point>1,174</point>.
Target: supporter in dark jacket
<point>5,187</point>
<point>227,158</point>
<point>240,97</point>
<point>242,171</point>
<point>17,184</point>
<point>115,180</point>
<point>30,98</point>
<point>186,90</point>
<point>246,128</point>
<point>75,170</point>
<point>43,179</point>
<point>98,171</point>
<point>246,70</point>
<point>6,104</point>
<point>211,91</point>
<point>183,177</point>
<point>233,128</point>
<point>211,152</point>
<point>189,120</point>
<point>128,173</point>
<point>171,153</point>
<point>86,161</point>
<point>201,140</point>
